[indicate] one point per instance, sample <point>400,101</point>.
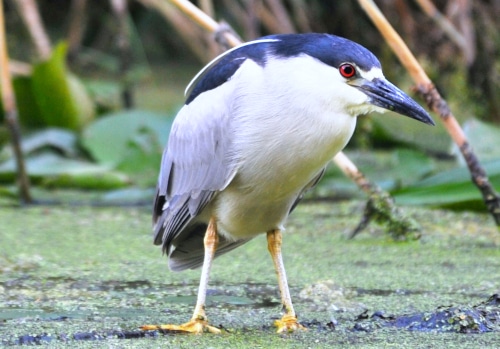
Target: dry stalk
<point>192,36</point>
<point>207,6</point>
<point>20,68</point>
<point>245,13</point>
<point>301,15</point>
<point>10,109</point>
<point>205,21</point>
<point>437,104</point>
<point>120,10</point>
<point>430,10</point>
<point>274,16</point>
<point>76,26</point>
<point>29,12</point>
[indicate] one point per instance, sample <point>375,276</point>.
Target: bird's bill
<point>385,95</point>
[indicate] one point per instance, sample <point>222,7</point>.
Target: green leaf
<point>53,170</point>
<point>112,139</point>
<point>132,195</point>
<point>27,107</point>
<point>60,96</point>
<point>408,166</point>
<point>483,137</point>
<point>399,167</point>
<point>62,140</point>
<point>388,169</point>
<point>453,189</point>
<point>391,128</point>
<point>87,180</point>
<point>105,93</point>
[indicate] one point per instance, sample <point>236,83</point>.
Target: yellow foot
<point>288,323</point>
<point>192,326</point>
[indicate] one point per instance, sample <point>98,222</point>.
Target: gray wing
<point>199,160</point>
<point>308,187</point>
<point>196,164</point>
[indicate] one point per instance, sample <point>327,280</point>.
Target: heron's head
<point>357,81</point>
<point>343,72</point>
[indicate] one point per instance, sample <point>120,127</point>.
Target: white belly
<point>270,180</point>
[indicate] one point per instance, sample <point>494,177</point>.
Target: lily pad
<point>62,140</point>
<point>131,141</point>
<point>54,170</point>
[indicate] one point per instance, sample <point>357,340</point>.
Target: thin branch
<point>207,6</point>
<point>245,13</point>
<point>436,103</point>
<point>120,10</point>
<point>301,14</point>
<point>430,10</point>
<point>274,16</point>
<point>380,205</point>
<point>190,35</point>
<point>204,20</point>
<point>32,20</point>
<point>76,26</point>
<point>20,68</point>
<point>10,109</point>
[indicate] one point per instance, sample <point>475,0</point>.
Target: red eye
<point>347,70</point>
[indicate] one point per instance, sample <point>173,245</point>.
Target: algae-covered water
<point>81,276</point>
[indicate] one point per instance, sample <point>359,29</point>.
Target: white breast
<point>284,133</point>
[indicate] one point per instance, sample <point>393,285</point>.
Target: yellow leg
<point>288,322</point>
<point>199,322</point>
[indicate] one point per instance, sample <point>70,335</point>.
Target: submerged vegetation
<point>92,278</point>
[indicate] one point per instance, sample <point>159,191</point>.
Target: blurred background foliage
<point>96,104</point>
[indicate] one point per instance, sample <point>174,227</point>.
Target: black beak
<point>384,94</point>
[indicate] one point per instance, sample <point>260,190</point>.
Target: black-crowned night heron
<point>259,126</point>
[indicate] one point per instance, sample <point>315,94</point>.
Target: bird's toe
<point>196,326</point>
<point>287,324</point>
